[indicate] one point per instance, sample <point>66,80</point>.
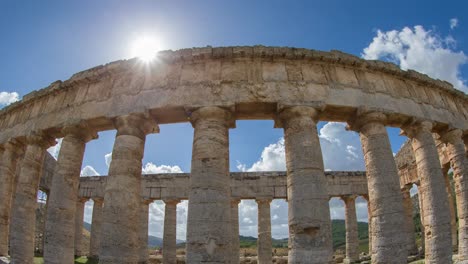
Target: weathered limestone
<point>209,210</point>
<point>453,214</point>
<point>78,227</point>
<point>438,247</point>
<point>95,241</point>
<point>59,245</point>
<point>308,210</point>
<point>369,222</point>
<point>408,206</point>
<point>143,234</point>
<point>235,242</point>
<point>459,163</point>
<point>9,155</point>
<point>24,204</point>
<point>421,215</point>
<point>122,201</point>
<point>388,245</point>
<point>352,239</point>
<point>170,232</point>
<point>264,244</point>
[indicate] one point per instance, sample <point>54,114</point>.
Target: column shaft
<point>59,241</point>
<point>95,241</point>
<point>120,241</point>
<point>308,212</point>
<point>78,228</point>
<point>143,235</point>
<point>388,245</point>
<point>411,238</point>
<point>24,204</point>
<point>8,163</point>
<point>264,246</point>
<point>421,216</point>
<point>438,247</point>
<point>352,239</point>
<point>235,232</point>
<point>458,161</point>
<point>453,216</point>
<point>170,232</point>
<point>209,212</point>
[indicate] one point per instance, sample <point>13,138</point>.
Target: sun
<point>145,48</point>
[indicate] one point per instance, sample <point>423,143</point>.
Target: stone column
<point>170,232</point>
<point>9,155</point>
<point>308,212</point>
<point>459,163</point>
<point>421,216</point>
<point>78,228</point>
<point>25,201</point>
<point>369,223</point>
<point>352,238</point>
<point>453,216</point>
<point>438,247</point>
<point>59,243</point>
<point>95,241</point>
<point>143,235</point>
<point>209,209</point>
<point>388,241</point>
<point>408,206</point>
<point>264,245</point>
<point>120,241</point>
<point>235,231</point>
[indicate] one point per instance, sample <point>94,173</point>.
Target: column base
<point>349,261</point>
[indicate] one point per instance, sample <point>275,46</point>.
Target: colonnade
<point>211,213</point>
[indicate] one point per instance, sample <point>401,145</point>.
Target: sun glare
<point>145,48</point>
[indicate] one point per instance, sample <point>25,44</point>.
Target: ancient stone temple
<point>212,88</point>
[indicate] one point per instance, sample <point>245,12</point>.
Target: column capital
<point>41,139</point>
<point>263,200</point>
<point>82,200</point>
<point>451,136</point>
<point>286,113</point>
<point>415,126</point>
<point>15,146</point>
<point>79,129</point>
<point>348,198</point>
<point>365,117</point>
<point>173,202</point>
<point>366,197</point>
<point>212,112</point>
<point>98,200</point>
<point>136,124</point>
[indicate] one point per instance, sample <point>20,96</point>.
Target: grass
<point>82,260</point>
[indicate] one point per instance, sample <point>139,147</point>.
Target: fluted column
<point>388,242</point>
<point>9,155</point>
<point>143,234</point>
<point>459,163</point>
<point>24,204</point>
<point>209,209</point>
<point>432,187</point>
<point>120,241</point>
<point>409,223</point>
<point>352,239</point>
<point>235,231</point>
<point>170,232</point>
<point>95,241</point>
<point>59,243</point>
<point>78,227</point>
<point>264,246</point>
<point>369,223</point>
<point>453,214</point>
<point>308,211</point>
<point>421,216</point>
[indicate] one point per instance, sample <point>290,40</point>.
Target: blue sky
<point>46,41</point>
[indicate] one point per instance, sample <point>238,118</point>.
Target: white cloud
<point>89,171</point>
<point>108,159</point>
<point>421,50</point>
<point>341,150</point>
<point>337,209</point>
<point>151,168</point>
<point>7,98</point>
<point>453,23</point>
<point>55,150</point>
<point>156,219</point>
